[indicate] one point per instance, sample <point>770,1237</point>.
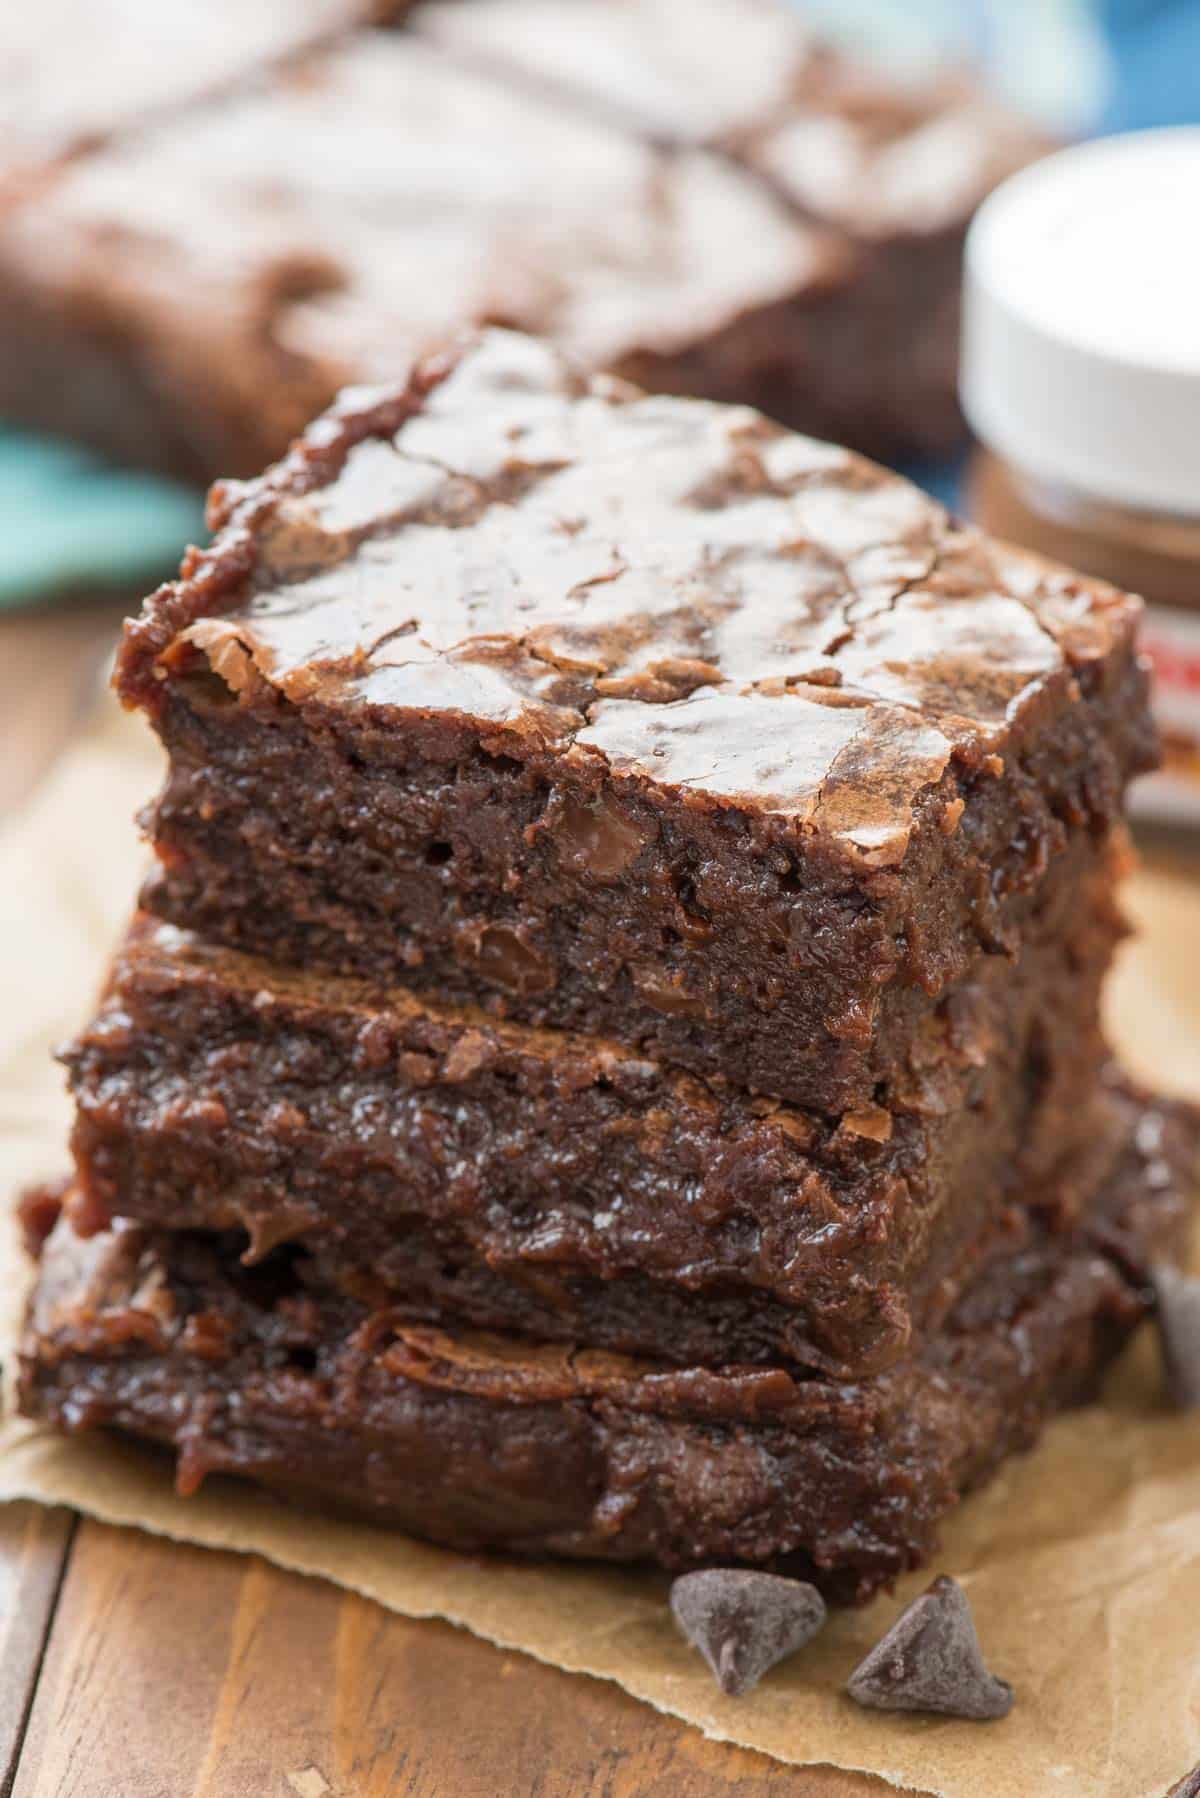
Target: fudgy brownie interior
<point>564,1186</point>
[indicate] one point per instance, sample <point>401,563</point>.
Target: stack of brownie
<point>609,1062</point>
<point>693,193</point>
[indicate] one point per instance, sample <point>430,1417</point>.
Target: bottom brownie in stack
<point>483,1441</point>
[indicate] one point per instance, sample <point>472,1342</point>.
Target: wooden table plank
<point>49,665</point>
<point>49,662</point>
<point>172,1672</point>
<point>34,1543</point>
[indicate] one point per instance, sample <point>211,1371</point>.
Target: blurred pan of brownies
<point>705,199</point>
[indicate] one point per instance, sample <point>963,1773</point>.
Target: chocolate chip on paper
<point>930,1660</point>
<point>744,1622</point>
<point>1177,1309</point>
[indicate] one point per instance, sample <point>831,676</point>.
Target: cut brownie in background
<point>481,1442</point>
<point>876,153</point>
<point>191,295</point>
<point>633,716</point>
<point>698,72</point>
<point>72,72</point>
<point>895,165</point>
<point>565,1187</point>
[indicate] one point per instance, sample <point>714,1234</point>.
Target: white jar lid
<point>1081,329</point>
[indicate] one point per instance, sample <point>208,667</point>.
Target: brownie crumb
<point>38,1211</point>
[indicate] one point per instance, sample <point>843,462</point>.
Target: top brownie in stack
<point>634,716</point>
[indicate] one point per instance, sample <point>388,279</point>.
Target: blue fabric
<point>1156,63</point>
<point>66,520</point>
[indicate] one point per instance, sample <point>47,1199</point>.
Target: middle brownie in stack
<point>570,1188</point>
<point>630,878</point>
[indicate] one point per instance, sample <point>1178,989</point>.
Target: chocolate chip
<point>743,1622</point>
<point>503,955</point>
<point>930,1660</point>
<point>1188,1787</point>
<point>1177,1308</point>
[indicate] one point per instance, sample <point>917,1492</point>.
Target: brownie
<point>191,295</point>
<point>566,1187</point>
<point>200,291</point>
<point>701,73</point>
<point>894,164</point>
<point>73,72</point>
<point>481,1442</point>
<point>632,716</point>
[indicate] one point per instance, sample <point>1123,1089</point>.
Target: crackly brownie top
<point>74,70</point>
<point>350,207</point>
<point>681,591</point>
<point>872,151</point>
<point>691,71</point>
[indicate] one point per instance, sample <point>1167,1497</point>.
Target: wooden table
<point>134,1668</point>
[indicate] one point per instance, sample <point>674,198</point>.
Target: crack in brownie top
<point>875,154</point>
<point>686,71</point>
<point>704,600</point>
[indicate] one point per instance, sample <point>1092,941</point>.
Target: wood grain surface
<point>33,1554</point>
<point>50,663</point>
<point>172,1671</point>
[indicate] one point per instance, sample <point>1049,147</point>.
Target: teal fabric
<point>69,522</point>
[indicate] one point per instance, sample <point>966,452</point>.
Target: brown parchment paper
<point>1082,1561</point>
